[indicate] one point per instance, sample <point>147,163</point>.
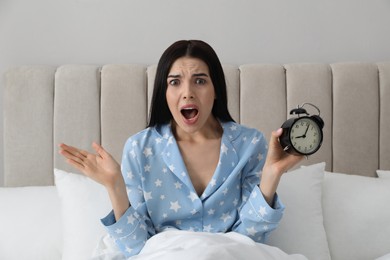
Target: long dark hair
<point>159,112</point>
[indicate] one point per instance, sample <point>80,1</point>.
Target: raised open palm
<point>101,167</point>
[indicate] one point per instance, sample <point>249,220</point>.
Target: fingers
<point>277,133</point>
<point>277,156</point>
<point>77,165</point>
<point>73,150</point>
<point>79,156</point>
<point>274,144</point>
<point>99,150</point>
<point>76,157</point>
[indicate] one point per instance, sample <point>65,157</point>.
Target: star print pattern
<point>175,206</point>
<point>162,196</point>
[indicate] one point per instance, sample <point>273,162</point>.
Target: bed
<point>343,203</point>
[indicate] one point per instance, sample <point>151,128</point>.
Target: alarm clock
<point>302,135</point>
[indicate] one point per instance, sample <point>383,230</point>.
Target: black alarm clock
<point>302,135</point>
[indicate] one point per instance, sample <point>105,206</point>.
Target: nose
<point>187,91</point>
<point>188,97</point>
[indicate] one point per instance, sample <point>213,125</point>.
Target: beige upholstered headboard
<point>78,104</point>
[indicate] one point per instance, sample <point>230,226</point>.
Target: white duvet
<point>176,244</point>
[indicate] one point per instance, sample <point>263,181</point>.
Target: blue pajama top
<point>161,193</point>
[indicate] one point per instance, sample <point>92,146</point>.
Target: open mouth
<point>189,112</point>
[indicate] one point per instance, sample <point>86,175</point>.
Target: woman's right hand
<point>101,167</point>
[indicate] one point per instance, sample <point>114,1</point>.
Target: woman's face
<point>190,94</point>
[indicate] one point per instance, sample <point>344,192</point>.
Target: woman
<point>193,168</point>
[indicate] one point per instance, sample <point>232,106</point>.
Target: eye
<point>200,81</point>
<point>173,82</point>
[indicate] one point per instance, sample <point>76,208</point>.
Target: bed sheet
<point>177,244</point>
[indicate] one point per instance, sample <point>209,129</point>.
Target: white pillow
<point>383,174</point>
<point>301,229</point>
<point>357,215</point>
<point>84,203</point>
<point>30,223</point>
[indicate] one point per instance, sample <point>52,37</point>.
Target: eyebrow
<point>193,75</point>
<point>200,75</point>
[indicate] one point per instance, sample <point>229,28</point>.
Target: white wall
<point>137,31</point>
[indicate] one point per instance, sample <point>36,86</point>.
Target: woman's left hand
<point>277,162</point>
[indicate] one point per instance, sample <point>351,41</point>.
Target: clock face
<point>305,135</point>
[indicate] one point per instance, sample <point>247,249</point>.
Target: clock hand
<point>307,128</point>
<point>304,135</point>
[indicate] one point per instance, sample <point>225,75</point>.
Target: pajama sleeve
<point>134,228</point>
<point>256,218</point>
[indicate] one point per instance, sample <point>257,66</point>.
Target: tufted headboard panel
<point>78,104</point>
